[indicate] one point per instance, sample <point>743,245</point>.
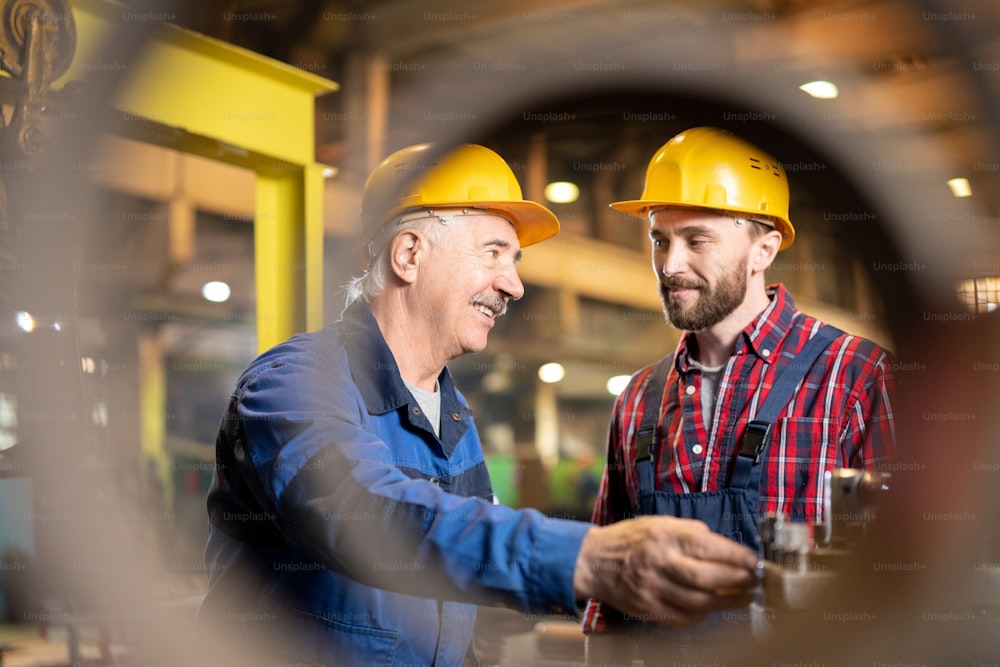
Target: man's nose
<point>673,260</point>
<point>509,282</point>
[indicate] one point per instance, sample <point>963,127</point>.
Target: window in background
<point>980,295</point>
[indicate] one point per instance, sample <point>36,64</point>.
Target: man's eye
<point>657,243</point>
<point>493,252</point>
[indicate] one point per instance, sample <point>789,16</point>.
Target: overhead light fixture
<point>561,192</point>
<point>617,383</point>
<point>25,322</point>
<point>551,372</point>
<point>216,291</point>
<point>821,90</point>
<point>960,187</point>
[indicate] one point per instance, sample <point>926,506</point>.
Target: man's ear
<point>406,251</point>
<point>766,250</point>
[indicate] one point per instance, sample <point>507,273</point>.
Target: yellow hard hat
<point>705,167</point>
<point>471,176</point>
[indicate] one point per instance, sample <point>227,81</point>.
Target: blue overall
<point>732,511</point>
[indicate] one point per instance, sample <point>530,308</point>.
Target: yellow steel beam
<point>206,97</point>
<point>205,86</point>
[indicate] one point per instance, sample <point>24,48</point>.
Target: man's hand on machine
<point>664,570</point>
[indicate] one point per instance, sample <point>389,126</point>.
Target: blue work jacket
<point>343,531</point>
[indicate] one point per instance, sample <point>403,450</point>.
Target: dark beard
<point>712,305</point>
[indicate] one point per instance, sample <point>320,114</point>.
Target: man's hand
<point>664,570</point>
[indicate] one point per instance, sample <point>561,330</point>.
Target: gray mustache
<point>495,304</point>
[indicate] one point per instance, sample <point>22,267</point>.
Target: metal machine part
<point>850,502</point>
<point>800,559</point>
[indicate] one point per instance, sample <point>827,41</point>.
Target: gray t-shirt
<point>430,403</point>
<point>709,389</point>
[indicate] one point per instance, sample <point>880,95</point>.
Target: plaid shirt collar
<point>766,332</point>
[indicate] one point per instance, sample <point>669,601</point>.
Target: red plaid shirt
<point>841,416</point>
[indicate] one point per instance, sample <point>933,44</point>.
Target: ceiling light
<point>25,322</point>
<point>822,90</point>
<point>216,291</point>
<point>551,372</point>
<point>561,192</point>
<point>960,187</point>
<point>617,383</point>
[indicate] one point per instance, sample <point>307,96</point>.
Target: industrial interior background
<point>148,183</point>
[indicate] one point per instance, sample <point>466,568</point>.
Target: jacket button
<point>416,411</point>
<point>435,481</point>
<point>456,417</point>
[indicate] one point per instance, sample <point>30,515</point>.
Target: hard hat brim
<point>639,208</point>
<point>532,222</point>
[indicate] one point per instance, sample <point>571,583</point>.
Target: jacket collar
<point>375,371</point>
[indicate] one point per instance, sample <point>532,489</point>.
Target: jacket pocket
<point>325,641</point>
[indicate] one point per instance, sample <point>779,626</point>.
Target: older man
<point>352,517</point>
<point>758,400</point>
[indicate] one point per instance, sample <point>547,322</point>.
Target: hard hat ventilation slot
<point>754,163</point>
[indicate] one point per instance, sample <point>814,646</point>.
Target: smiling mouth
<point>486,310</point>
<point>490,308</point>
<point>677,289</point>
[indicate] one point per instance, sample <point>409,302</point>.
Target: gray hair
<point>372,282</point>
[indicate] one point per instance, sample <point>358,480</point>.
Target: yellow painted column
<point>153,411</point>
<point>288,249</point>
<point>315,192</point>
<point>547,424</point>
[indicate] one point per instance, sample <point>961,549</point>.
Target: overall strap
<point>756,435</point>
<point>645,441</point>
